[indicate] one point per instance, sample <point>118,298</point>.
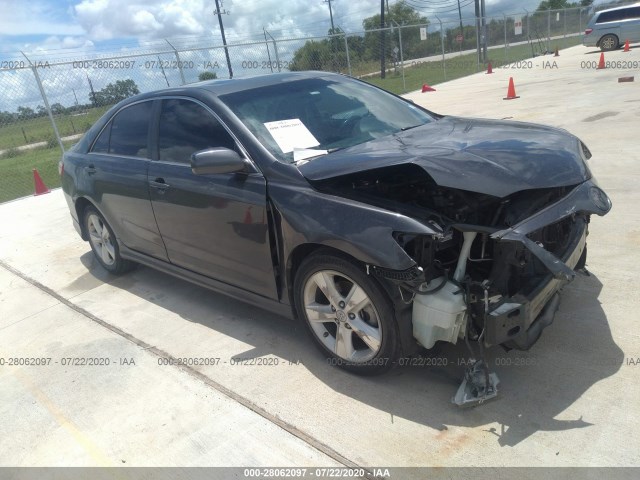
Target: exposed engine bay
<point>493,273</point>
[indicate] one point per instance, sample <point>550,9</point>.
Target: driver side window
<point>187,127</point>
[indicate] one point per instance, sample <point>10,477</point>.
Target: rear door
<point>116,176</point>
<point>215,225</point>
<point>609,23</point>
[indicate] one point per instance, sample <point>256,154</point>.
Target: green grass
<point>40,129</point>
<point>16,173</point>
<point>432,72</point>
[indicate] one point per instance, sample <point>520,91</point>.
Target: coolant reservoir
<point>440,315</point>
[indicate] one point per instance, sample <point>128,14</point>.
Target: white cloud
<point>107,19</point>
<point>157,19</point>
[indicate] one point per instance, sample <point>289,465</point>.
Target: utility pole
<point>330,15</point>
<point>382,34</point>
<point>460,14</point>
<point>477,5</point>
<point>224,40</point>
<point>481,31</point>
<point>484,30</point>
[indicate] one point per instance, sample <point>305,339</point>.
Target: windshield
<point>311,117</point>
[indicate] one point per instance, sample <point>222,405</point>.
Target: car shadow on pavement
<point>573,354</point>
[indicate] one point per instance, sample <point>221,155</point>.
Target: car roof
<point>225,86</point>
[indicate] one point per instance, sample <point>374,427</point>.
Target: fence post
<point>528,28</point>
<point>478,44</point>
<point>548,30</point>
<point>266,42</point>
<point>46,102</point>
<point>444,64</point>
<point>275,49</point>
<point>404,84</point>
<point>179,62</point>
<point>346,48</point>
<point>580,22</point>
<point>505,37</point>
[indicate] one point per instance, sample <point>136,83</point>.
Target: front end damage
<point>492,273</point>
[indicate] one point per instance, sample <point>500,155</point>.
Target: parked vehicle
<point>382,226</point>
<point>610,28</point>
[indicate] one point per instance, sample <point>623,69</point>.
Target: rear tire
<point>103,242</point>
<point>609,42</point>
<point>348,314</point>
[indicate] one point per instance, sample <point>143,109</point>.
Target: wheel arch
<point>304,250</point>
<point>80,205</point>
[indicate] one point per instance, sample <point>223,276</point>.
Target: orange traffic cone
<point>427,88</point>
<point>601,64</point>
<point>626,46</point>
<point>557,52</point>
<point>41,188</point>
<point>511,92</point>
<point>489,69</point>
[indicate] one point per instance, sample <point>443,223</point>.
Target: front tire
<point>103,243</point>
<point>347,313</point>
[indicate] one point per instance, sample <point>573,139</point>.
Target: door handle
<point>159,184</point>
<point>90,169</point>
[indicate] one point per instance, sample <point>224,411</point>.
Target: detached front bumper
<point>518,321</point>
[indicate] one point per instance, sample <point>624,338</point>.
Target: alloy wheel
<point>101,239</point>
<point>342,316</point>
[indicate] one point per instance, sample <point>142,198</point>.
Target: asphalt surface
<point>572,400</point>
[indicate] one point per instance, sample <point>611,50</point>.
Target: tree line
<point>109,95</point>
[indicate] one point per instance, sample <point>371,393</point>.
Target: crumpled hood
<point>492,157</point>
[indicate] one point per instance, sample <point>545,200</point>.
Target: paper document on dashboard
<point>290,134</point>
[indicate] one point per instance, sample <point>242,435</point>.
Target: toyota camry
<point>384,227</point>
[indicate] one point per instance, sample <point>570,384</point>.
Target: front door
<point>215,225</point>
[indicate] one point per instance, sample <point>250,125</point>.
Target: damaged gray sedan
<point>382,226</point>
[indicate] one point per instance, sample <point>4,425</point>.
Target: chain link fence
<point>46,104</point>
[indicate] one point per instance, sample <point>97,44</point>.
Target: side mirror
<point>216,160</point>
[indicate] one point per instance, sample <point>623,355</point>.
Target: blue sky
<point>56,25</point>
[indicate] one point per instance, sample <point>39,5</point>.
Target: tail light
<point>588,31</point>
<point>61,168</point>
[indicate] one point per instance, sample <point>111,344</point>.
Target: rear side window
<point>187,127</point>
<point>127,133</point>
<point>613,16</point>
<point>101,145</point>
<point>632,13</point>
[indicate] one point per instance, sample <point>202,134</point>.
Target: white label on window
<point>290,134</point>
